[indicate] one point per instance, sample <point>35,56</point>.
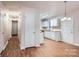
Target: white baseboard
<point>75,44</point>
<point>37,45</point>
<point>22,48</point>
<point>5,45</point>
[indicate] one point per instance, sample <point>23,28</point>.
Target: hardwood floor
<point>50,48</point>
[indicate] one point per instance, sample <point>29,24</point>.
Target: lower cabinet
<point>54,35</point>
<point>41,37</point>
<point>58,36</point>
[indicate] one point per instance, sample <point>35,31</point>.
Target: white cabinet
<point>57,36</point>
<point>54,35</point>
<point>41,37</point>
<point>30,29</point>
<point>45,23</point>
<point>49,34</point>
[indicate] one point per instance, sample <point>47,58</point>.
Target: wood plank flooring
<point>50,48</point>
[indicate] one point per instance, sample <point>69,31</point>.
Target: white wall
<point>5,26</point>
<point>3,29</point>
<point>75,17</point>
<point>2,40</point>
<point>1,35</point>
<point>67,31</point>
<point>19,26</point>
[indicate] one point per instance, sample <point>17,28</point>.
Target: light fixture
<point>65,15</point>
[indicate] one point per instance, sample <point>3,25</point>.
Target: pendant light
<point>65,15</point>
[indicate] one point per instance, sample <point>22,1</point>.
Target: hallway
<point>49,48</point>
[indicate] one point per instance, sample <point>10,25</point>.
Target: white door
<point>14,27</point>
<point>29,29</point>
<point>67,31</point>
<point>32,29</point>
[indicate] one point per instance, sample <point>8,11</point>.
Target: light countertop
<point>54,30</point>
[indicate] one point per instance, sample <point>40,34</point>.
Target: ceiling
<point>45,7</point>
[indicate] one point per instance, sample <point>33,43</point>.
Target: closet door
<point>38,33</point>
<point>67,31</point>
<point>32,29</point>
<point>29,29</point>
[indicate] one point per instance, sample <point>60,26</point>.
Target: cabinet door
<point>52,35</point>
<point>67,30</point>
<point>46,34</point>
<point>41,38</point>
<point>58,36</point>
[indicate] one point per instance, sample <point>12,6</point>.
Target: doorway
<point>14,28</point>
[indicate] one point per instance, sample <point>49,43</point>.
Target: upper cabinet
<point>51,23</point>
<point>54,23</point>
<point>45,24</point>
